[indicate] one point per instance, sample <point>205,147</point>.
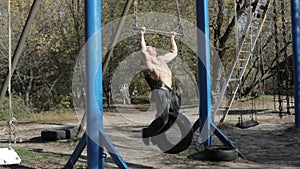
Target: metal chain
<point>287,70</point>
<point>136,27</point>
<point>236,28</point>
<point>277,56</point>
<point>11,123</point>
<point>135,14</point>
<point>179,18</point>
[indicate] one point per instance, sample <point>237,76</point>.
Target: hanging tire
<point>186,135</point>
<point>221,153</point>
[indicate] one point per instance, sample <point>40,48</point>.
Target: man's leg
<point>162,104</point>
<point>174,102</point>
<point>173,111</point>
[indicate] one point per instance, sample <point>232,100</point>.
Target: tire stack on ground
<point>62,133</point>
<point>220,153</point>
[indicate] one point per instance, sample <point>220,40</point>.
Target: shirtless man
<point>164,97</point>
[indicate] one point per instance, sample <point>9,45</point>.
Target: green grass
<point>23,113</point>
<point>19,110</point>
<point>50,116</point>
<point>31,158</point>
<point>28,155</point>
<point>189,152</point>
<point>67,143</point>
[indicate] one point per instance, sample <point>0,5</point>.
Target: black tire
<point>220,153</point>
<point>186,132</point>
<point>59,133</point>
<point>53,135</point>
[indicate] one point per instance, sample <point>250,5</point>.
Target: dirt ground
<point>274,143</point>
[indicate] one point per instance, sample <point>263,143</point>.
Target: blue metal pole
<point>204,71</point>
<point>94,83</point>
<point>77,152</point>
<point>296,52</point>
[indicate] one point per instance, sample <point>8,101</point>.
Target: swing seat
<point>8,156</point>
<point>247,124</point>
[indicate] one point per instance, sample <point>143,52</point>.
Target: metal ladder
<point>244,52</point>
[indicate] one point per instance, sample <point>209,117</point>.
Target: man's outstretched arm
<point>173,50</point>
<point>143,42</point>
<point>147,58</point>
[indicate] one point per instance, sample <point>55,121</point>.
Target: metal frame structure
<point>94,61</point>
<point>137,27</point>
<point>8,156</point>
<point>204,70</point>
<point>295,7</point>
<point>94,92</point>
<point>95,139</point>
<point>207,127</point>
<point>21,43</point>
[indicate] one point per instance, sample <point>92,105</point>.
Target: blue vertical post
<point>296,52</point>
<point>204,70</point>
<point>94,83</point>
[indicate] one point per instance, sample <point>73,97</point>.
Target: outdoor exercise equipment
<point>204,86</point>
<point>288,65</point>
<point>205,122</point>
<point>94,138</point>
<point>220,153</point>
<point>20,45</point>
<point>245,47</point>
<point>137,27</point>
<point>242,121</point>
<point>93,163</point>
<point>185,126</point>
<point>106,59</point>
<point>248,123</point>
<point>7,155</point>
<point>296,52</point>
<point>283,81</point>
<point>62,133</point>
<point>166,144</point>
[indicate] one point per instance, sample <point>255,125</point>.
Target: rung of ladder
<point>219,109</point>
<point>216,94</point>
<point>231,94</point>
<point>234,79</point>
<point>223,108</point>
<point>248,40</point>
<point>218,80</point>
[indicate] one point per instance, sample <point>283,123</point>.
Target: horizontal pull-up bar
<point>158,31</point>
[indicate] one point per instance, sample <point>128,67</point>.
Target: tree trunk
<point>28,89</point>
